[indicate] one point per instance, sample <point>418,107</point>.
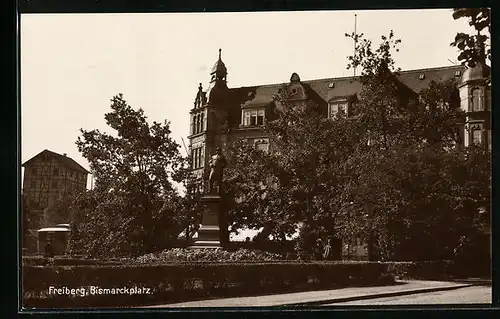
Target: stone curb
<point>375,295</point>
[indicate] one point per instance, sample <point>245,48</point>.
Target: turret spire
<point>219,71</point>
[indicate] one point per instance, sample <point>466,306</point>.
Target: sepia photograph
<point>280,160</point>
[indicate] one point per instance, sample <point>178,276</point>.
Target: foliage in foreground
<point>211,255</point>
<point>474,48</point>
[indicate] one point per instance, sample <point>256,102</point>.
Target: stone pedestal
<point>209,232</point>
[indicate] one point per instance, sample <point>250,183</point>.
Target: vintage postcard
<point>289,159</point>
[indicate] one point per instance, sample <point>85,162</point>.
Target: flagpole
<point>355,39</point>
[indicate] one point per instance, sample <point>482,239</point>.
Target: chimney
<point>65,154</point>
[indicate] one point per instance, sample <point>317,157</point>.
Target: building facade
<point>49,176</point>
<point>221,114</point>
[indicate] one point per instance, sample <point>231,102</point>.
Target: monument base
<point>209,232</point>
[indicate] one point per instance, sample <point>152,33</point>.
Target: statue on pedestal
<point>217,164</point>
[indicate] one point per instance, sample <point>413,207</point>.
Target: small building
<point>57,236</point>
<point>49,176</point>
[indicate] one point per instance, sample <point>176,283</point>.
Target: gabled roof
<point>330,88</point>
<point>63,159</point>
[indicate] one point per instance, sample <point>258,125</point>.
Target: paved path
<point>467,295</point>
<point>321,296</point>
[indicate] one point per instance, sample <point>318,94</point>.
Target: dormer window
<point>336,107</point>
<point>254,117</point>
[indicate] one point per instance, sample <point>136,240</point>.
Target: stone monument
<point>209,232</point>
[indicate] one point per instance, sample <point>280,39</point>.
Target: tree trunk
<point>264,233</point>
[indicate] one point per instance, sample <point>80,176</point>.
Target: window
<point>262,145</point>
<point>489,139</point>
<point>477,136</point>
<point>253,117</point>
<point>487,100</point>
<point>192,124</point>
<point>477,100</point>
<point>34,171</point>
<point>56,171</point>
<point>195,157</point>
<point>336,107</point>
<point>202,157</point>
<point>260,117</point>
<point>198,157</point>
<point>202,122</point>
<point>33,184</point>
<point>197,123</point>
<point>54,184</point>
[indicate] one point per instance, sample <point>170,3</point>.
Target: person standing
<point>318,249</point>
<point>326,253</point>
<point>49,251</point>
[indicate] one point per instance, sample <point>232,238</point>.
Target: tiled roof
<point>344,86</point>
<point>411,78</point>
<point>63,159</point>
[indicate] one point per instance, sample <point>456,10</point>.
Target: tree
<point>390,173</point>
<point>57,212</point>
<point>475,48</point>
<point>300,182</point>
<point>406,175</point>
<point>30,220</point>
<point>254,200</point>
<point>132,206</point>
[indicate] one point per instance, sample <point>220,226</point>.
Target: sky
<point>73,64</point>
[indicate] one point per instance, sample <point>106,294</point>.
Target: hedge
<point>65,261</point>
<point>187,281</point>
<point>437,270</point>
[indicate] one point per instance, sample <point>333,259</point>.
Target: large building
<point>49,176</point>
<point>221,114</point>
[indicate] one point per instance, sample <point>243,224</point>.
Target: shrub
<point>212,255</point>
